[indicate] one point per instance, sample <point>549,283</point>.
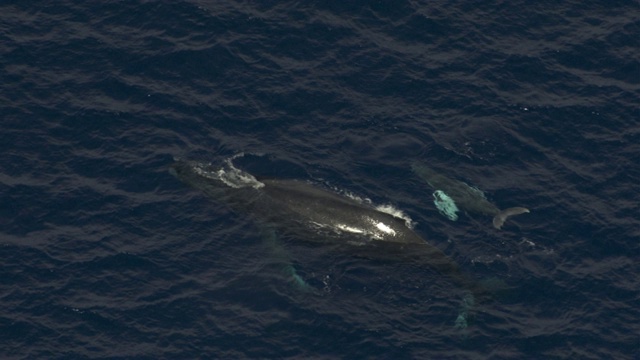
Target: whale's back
<point>322,208</point>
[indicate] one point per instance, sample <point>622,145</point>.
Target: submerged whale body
<point>316,214</point>
<point>467,197</point>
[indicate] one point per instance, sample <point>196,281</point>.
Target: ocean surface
<point>105,255</point>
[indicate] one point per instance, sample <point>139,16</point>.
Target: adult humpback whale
<point>311,213</point>
<point>468,197</point>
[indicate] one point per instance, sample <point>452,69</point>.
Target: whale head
<point>213,180</point>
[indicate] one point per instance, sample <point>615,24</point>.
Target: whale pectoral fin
<point>502,216</point>
<point>295,279</point>
<point>280,256</point>
<point>466,307</point>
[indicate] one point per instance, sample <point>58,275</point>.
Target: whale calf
<point>467,197</point>
<point>311,213</point>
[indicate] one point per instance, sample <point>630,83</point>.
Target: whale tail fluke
<point>502,216</point>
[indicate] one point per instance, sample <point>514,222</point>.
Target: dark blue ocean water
<point>105,255</point>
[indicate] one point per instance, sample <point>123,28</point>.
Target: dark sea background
<point>105,255</point>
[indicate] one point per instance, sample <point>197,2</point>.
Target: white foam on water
<point>236,178</point>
